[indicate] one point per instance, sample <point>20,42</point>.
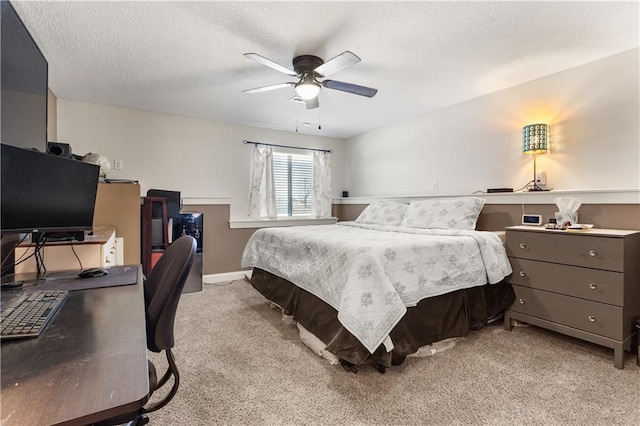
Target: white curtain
<point>262,195</point>
<point>321,206</point>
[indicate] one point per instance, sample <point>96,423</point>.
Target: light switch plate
<point>541,178</point>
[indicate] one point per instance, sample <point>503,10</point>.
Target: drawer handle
<point>523,274</point>
<point>592,318</point>
<point>593,286</point>
<point>523,246</point>
<point>522,301</point>
<point>593,253</point>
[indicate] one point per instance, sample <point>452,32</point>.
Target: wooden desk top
<point>89,364</point>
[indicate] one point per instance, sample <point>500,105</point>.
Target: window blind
<point>293,179</point>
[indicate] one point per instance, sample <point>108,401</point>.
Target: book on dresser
<point>583,284</point>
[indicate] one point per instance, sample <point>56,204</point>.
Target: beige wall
<point>199,158</point>
<point>594,116</point>
<point>495,217</point>
<point>222,247</point>
<point>52,117</point>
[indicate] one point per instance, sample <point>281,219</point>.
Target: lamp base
<point>536,188</point>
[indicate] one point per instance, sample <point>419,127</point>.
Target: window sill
<point>289,221</point>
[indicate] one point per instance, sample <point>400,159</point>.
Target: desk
<point>89,364</point>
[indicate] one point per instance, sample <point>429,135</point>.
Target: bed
<point>396,279</point>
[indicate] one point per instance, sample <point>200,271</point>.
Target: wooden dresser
<point>118,205</point>
<point>585,284</point>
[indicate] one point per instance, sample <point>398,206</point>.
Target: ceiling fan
<point>309,70</point>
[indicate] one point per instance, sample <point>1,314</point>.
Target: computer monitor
<point>46,193</point>
<point>24,78</point>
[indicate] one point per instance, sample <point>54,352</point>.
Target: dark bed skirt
<point>453,314</point>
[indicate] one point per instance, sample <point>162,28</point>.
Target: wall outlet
<point>435,185</point>
<point>541,178</point>
<point>117,164</point>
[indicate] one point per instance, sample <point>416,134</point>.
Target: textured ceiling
<point>186,58</point>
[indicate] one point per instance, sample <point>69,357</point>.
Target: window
<point>293,180</point>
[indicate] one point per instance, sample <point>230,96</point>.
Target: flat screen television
<point>45,193</point>
<point>24,77</point>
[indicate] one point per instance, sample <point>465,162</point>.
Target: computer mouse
<point>92,273</point>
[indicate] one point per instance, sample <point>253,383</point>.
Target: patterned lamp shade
<point>535,138</point>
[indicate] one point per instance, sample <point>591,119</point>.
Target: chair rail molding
<point>585,196</point>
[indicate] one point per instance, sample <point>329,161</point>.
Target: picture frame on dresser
<point>585,284</point>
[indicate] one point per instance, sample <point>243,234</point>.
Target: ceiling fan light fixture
<point>307,88</point>
<point>309,68</point>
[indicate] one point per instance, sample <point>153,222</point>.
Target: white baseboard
<point>226,276</point>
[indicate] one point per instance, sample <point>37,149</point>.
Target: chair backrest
<point>162,291</point>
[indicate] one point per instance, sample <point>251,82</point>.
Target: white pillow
<point>383,213</point>
<point>444,213</point>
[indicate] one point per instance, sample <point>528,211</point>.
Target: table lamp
<point>535,139</point>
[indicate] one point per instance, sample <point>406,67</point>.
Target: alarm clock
<point>532,219</point>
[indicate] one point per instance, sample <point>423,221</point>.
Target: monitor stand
<point>58,236</point>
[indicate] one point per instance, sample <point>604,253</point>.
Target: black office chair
<point>162,291</point>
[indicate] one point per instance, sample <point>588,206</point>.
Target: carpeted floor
<point>242,365</point>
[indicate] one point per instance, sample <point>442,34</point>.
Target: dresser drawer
<point>593,317</point>
<point>591,284</point>
<point>579,250</point>
<point>109,252</point>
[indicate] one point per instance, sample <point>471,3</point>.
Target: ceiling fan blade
<point>267,88</point>
<point>312,103</point>
<point>336,64</point>
<point>270,63</point>
<point>350,88</point>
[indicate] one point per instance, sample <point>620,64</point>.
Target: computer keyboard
<point>29,314</point>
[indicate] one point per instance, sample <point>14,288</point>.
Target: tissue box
<point>562,218</point>
<point>567,211</point>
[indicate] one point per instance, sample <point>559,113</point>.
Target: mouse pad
<point>69,280</point>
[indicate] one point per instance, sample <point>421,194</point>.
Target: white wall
<point>199,158</point>
<point>592,110</point>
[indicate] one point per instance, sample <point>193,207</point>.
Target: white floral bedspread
<point>370,273</point>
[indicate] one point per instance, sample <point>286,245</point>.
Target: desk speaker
<point>59,149</point>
